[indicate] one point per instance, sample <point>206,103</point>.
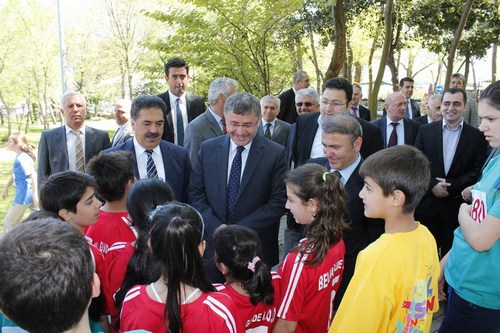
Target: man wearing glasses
<point>238,179</point>
<point>336,97</point>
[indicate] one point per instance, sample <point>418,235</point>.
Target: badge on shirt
<point>479,210</point>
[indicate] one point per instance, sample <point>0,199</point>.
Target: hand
<point>5,193</point>
<point>466,194</point>
<point>440,190</point>
<point>441,293</point>
<point>465,209</point>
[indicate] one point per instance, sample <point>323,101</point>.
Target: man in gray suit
<point>470,116</point>
<point>211,123</point>
<point>59,147</point>
<point>122,117</point>
<point>271,127</point>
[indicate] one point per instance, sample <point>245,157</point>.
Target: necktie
<point>80,166</point>
<point>354,111</point>
<point>393,139</point>
<point>407,110</point>
<point>233,186</point>
<point>150,165</point>
<point>180,123</point>
<point>223,121</point>
<point>267,133</point>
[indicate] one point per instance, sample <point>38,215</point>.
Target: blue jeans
<point>464,317</point>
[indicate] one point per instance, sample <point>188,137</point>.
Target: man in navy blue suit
<point>252,163</point>
<point>171,162</point>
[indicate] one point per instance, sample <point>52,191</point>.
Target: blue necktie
<point>150,165</point>
<point>233,186</point>
<point>180,123</point>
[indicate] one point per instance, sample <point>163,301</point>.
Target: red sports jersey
<point>257,318</point>
<point>309,291</point>
<point>211,312</point>
<point>110,229</point>
<point>98,259</point>
<point>116,259</point>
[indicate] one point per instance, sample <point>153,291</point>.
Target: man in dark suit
<point>238,179</point>
<point>406,85</point>
<point>395,129</point>
<point>155,157</point>
<point>211,123</point>
<point>342,138</point>
<point>433,110</point>
<point>336,97</point>
<point>59,148</point>
<point>185,106</point>
<point>287,98</point>
<point>272,128</point>
<point>122,117</point>
<point>456,152</point>
<point>357,109</point>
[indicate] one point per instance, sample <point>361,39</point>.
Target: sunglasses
<point>306,104</point>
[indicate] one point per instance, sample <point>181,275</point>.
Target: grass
<point>33,135</point>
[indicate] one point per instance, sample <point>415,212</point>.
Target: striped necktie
<point>150,166</point>
<point>80,165</point>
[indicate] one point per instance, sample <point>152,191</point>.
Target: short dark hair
<point>454,91</point>
<point>242,103</point>
<point>47,275</point>
<point>177,63</point>
<point>491,95</point>
<point>459,76</point>
<point>64,190</point>
<point>402,168</point>
<point>143,197</point>
<point>146,102</point>
<point>339,83</point>
<point>112,172</point>
<point>405,79</point>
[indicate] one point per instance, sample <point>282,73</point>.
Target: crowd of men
<point>228,160</point>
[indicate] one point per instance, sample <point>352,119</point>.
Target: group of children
<point>147,251</point>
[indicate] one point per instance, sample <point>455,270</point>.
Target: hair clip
<point>251,265</point>
<point>324,175</point>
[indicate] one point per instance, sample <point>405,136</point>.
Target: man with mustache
<point>71,146</point>
<point>155,157</point>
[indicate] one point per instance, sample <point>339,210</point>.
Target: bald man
<point>394,127</point>
<point>122,117</point>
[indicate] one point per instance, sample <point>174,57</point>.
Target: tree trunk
<point>357,72</point>
<point>494,63</point>
<point>8,112</point>
<point>370,69</point>
<point>391,60</point>
<point>455,41</point>
<point>339,52</point>
<point>383,59</point>
<point>319,78</point>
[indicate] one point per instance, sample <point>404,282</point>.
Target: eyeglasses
<point>244,125</point>
<point>334,103</point>
<point>306,104</point>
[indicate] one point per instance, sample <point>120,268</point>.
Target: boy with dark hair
<point>395,282</point>
<point>48,278</point>
<point>114,174</point>
<point>72,196</point>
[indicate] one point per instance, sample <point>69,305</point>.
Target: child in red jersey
<point>311,273</point>
<point>114,174</point>
<point>182,299</point>
<point>252,286</point>
<point>72,196</point>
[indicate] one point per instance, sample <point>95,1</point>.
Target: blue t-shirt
<point>22,168</point>
<point>475,275</point>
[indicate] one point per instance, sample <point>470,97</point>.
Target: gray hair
<point>242,103</point>
<point>298,76</point>
<point>270,99</point>
<point>343,123</point>
<point>433,97</point>
<point>219,86</point>
<point>307,92</point>
<point>72,93</point>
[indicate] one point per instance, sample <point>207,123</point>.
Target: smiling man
<point>155,157</point>
<point>72,145</point>
<point>182,107</point>
<point>238,179</point>
<point>336,98</point>
<point>457,152</point>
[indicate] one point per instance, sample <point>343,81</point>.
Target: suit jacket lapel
<point>221,161</point>
<point>61,137</point>
<point>408,131</point>
<point>354,184</point>
<point>129,146</point>
<point>213,125</point>
<point>89,142</point>
<point>383,130</point>
<point>440,145</point>
<point>254,156</point>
